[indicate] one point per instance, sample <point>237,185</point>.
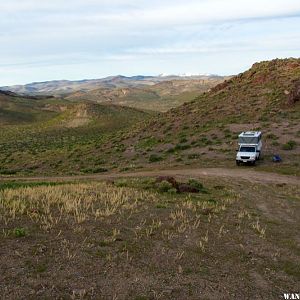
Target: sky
<point>80,39</point>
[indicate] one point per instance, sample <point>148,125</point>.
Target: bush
<point>165,186</point>
<point>19,232</point>
<point>155,158</point>
<point>290,145</point>
<point>95,170</point>
<point>172,191</point>
<point>196,184</point>
<point>161,205</point>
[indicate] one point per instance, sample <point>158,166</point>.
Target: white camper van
<point>250,147</point>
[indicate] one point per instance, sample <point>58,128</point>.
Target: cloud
<point>38,36</point>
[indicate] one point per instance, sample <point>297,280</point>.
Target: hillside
<point>199,133</point>
<point>49,135</point>
<point>204,131</point>
<point>160,96</point>
<point>22,110</point>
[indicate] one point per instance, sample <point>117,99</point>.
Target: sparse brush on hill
<point>55,134</point>
<point>205,130</point>
<point>61,136</point>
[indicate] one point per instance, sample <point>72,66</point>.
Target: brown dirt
<point>240,174</point>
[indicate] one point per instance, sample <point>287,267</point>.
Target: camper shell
<point>250,146</point>
<point>250,138</point>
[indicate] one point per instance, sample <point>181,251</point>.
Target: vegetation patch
<point>147,143</point>
<point>290,145</point>
<point>94,170</point>
<point>155,158</point>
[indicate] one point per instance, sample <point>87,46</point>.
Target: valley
<point>131,191</point>
<point>81,136</point>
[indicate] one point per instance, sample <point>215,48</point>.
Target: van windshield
<point>247,149</point>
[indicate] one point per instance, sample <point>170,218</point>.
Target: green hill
<point>48,135</point>
<point>20,110</point>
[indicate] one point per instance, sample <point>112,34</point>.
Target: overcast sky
<point>77,39</point>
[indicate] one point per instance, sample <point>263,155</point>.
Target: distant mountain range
<point>66,87</point>
<point>157,93</point>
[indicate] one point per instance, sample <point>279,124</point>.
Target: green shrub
<point>160,205</point>
<point>196,184</point>
<point>172,191</point>
<point>164,186</point>
<point>19,232</point>
<point>155,158</point>
<point>290,145</point>
<point>94,170</point>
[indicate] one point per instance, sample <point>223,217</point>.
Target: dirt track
<point>242,174</point>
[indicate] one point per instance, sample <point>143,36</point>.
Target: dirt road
<point>241,174</point>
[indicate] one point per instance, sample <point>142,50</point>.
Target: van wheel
<point>253,163</point>
<point>238,163</point>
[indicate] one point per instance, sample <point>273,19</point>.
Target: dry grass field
<point>139,239</point>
